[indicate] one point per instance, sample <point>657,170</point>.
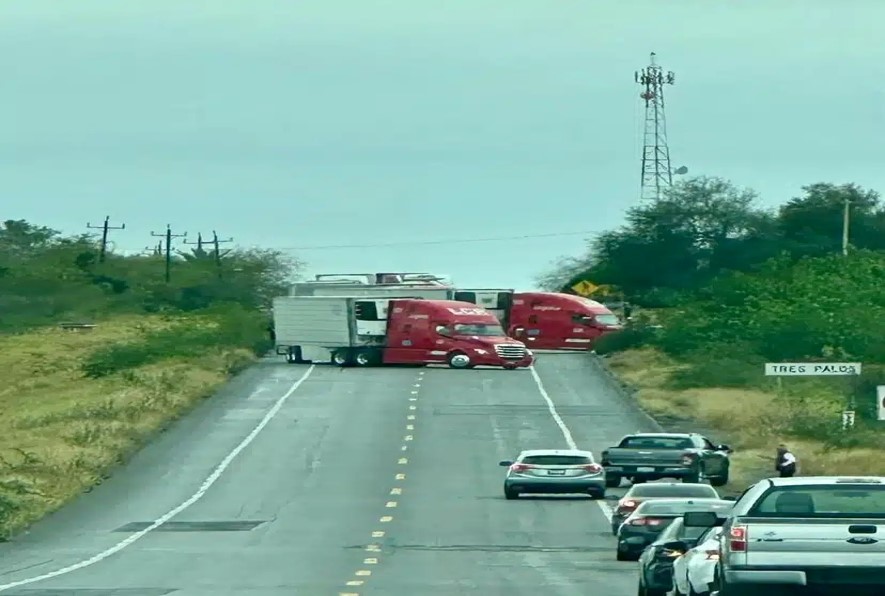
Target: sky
<point>371,135</point>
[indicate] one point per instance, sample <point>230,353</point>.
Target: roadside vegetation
<point>730,286</point>
<point>77,400</point>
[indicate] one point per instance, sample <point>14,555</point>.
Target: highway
<point>316,480</point>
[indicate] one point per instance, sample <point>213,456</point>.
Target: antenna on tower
<point>656,173</point>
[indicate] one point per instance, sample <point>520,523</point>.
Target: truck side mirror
<point>505,464</point>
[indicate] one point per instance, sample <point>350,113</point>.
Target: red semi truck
<point>367,331</point>
<point>543,320</point>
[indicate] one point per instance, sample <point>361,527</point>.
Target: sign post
<point>823,369</point>
<point>880,400</point>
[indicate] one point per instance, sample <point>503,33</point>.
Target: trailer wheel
<point>341,358</point>
<point>459,360</point>
<point>365,358</point>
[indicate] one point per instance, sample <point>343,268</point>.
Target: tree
<point>811,225</point>
<point>703,226</point>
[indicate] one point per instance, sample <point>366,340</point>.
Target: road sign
<point>812,369</point>
<point>880,399</point>
<point>848,419</point>
<point>585,288</point>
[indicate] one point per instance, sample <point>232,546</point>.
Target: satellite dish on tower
<point>680,170</point>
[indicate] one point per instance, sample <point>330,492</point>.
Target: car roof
<point>686,500</point>
<point>667,484</point>
<point>665,435</point>
<point>576,452</point>
<point>823,480</point>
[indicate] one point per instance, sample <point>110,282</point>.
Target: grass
<point>752,421</point>
<point>62,433</point>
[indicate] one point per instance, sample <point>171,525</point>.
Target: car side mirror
<point>700,519</point>
<point>505,464</point>
<point>724,448</point>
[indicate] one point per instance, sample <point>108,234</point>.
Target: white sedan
<point>693,571</point>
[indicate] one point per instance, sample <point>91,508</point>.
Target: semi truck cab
<point>552,321</point>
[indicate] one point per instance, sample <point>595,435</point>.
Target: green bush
<point>628,338</point>
<point>223,327</point>
<point>719,366</point>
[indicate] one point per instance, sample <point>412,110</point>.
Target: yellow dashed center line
<point>376,548</point>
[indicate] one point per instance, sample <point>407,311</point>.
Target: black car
<point>639,493</point>
<point>656,561</point>
<point>653,517</point>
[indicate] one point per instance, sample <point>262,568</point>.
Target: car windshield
<point>702,491</point>
<point>656,443</point>
<point>485,329</point>
<point>678,507</point>
<point>557,460</point>
<point>827,500</point>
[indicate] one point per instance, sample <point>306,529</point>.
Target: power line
<point>105,227</point>
<point>430,242</point>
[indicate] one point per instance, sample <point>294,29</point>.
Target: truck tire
<point>692,478</point>
<point>458,360</point>
<point>341,357</point>
<point>294,356</point>
<point>719,480</point>
<point>367,357</point>
<point>612,481</point>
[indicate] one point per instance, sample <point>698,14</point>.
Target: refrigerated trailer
<point>366,331</point>
<point>543,320</point>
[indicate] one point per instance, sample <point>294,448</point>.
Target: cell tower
<point>656,173</point>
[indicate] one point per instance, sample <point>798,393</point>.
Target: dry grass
<point>747,419</point>
<point>61,433</point>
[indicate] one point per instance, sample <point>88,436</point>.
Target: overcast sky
<point>325,122</point>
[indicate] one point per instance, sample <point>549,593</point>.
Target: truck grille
<point>510,351</point>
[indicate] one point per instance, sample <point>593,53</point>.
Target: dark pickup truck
<point>651,456</point>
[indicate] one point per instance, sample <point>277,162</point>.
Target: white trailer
<point>497,301</point>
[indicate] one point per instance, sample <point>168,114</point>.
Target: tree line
<point>48,277</point>
<point>734,285</point>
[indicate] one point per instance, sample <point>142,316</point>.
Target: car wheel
<point>612,481</point>
<point>595,494</point>
<point>622,556</point>
<point>341,358</point>
<point>510,494</point>
<point>691,479</point>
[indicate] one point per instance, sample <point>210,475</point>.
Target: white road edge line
<point>566,433</point>
<point>207,484</point>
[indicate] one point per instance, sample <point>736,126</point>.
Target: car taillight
<point>520,467</point>
<point>687,459</point>
<point>628,505</point>
<point>711,555</point>
<point>638,521</point>
<point>738,539</point>
<point>593,468</point>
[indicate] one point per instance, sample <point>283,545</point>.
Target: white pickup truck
<point>815,535</point>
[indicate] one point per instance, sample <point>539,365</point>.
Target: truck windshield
<point>608,320</point>
<point>825,500</point>
<point>486,329</point>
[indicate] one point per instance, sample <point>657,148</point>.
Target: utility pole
<point>656,173</point>
<point>199,243</point>
<point>846,220</point>
<point>218,255</point>
<point>104,235</point>
<point>169,236</point>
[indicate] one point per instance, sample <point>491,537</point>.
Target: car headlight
<point>480,351</point>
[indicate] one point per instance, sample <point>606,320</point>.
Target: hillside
<point>99,354</point>
<point>732,286</point>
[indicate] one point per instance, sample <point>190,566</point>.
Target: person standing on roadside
<point>785,462</point>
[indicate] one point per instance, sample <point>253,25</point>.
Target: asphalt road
<point>374,481</point>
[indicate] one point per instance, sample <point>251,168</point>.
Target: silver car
<point>554,471</point>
